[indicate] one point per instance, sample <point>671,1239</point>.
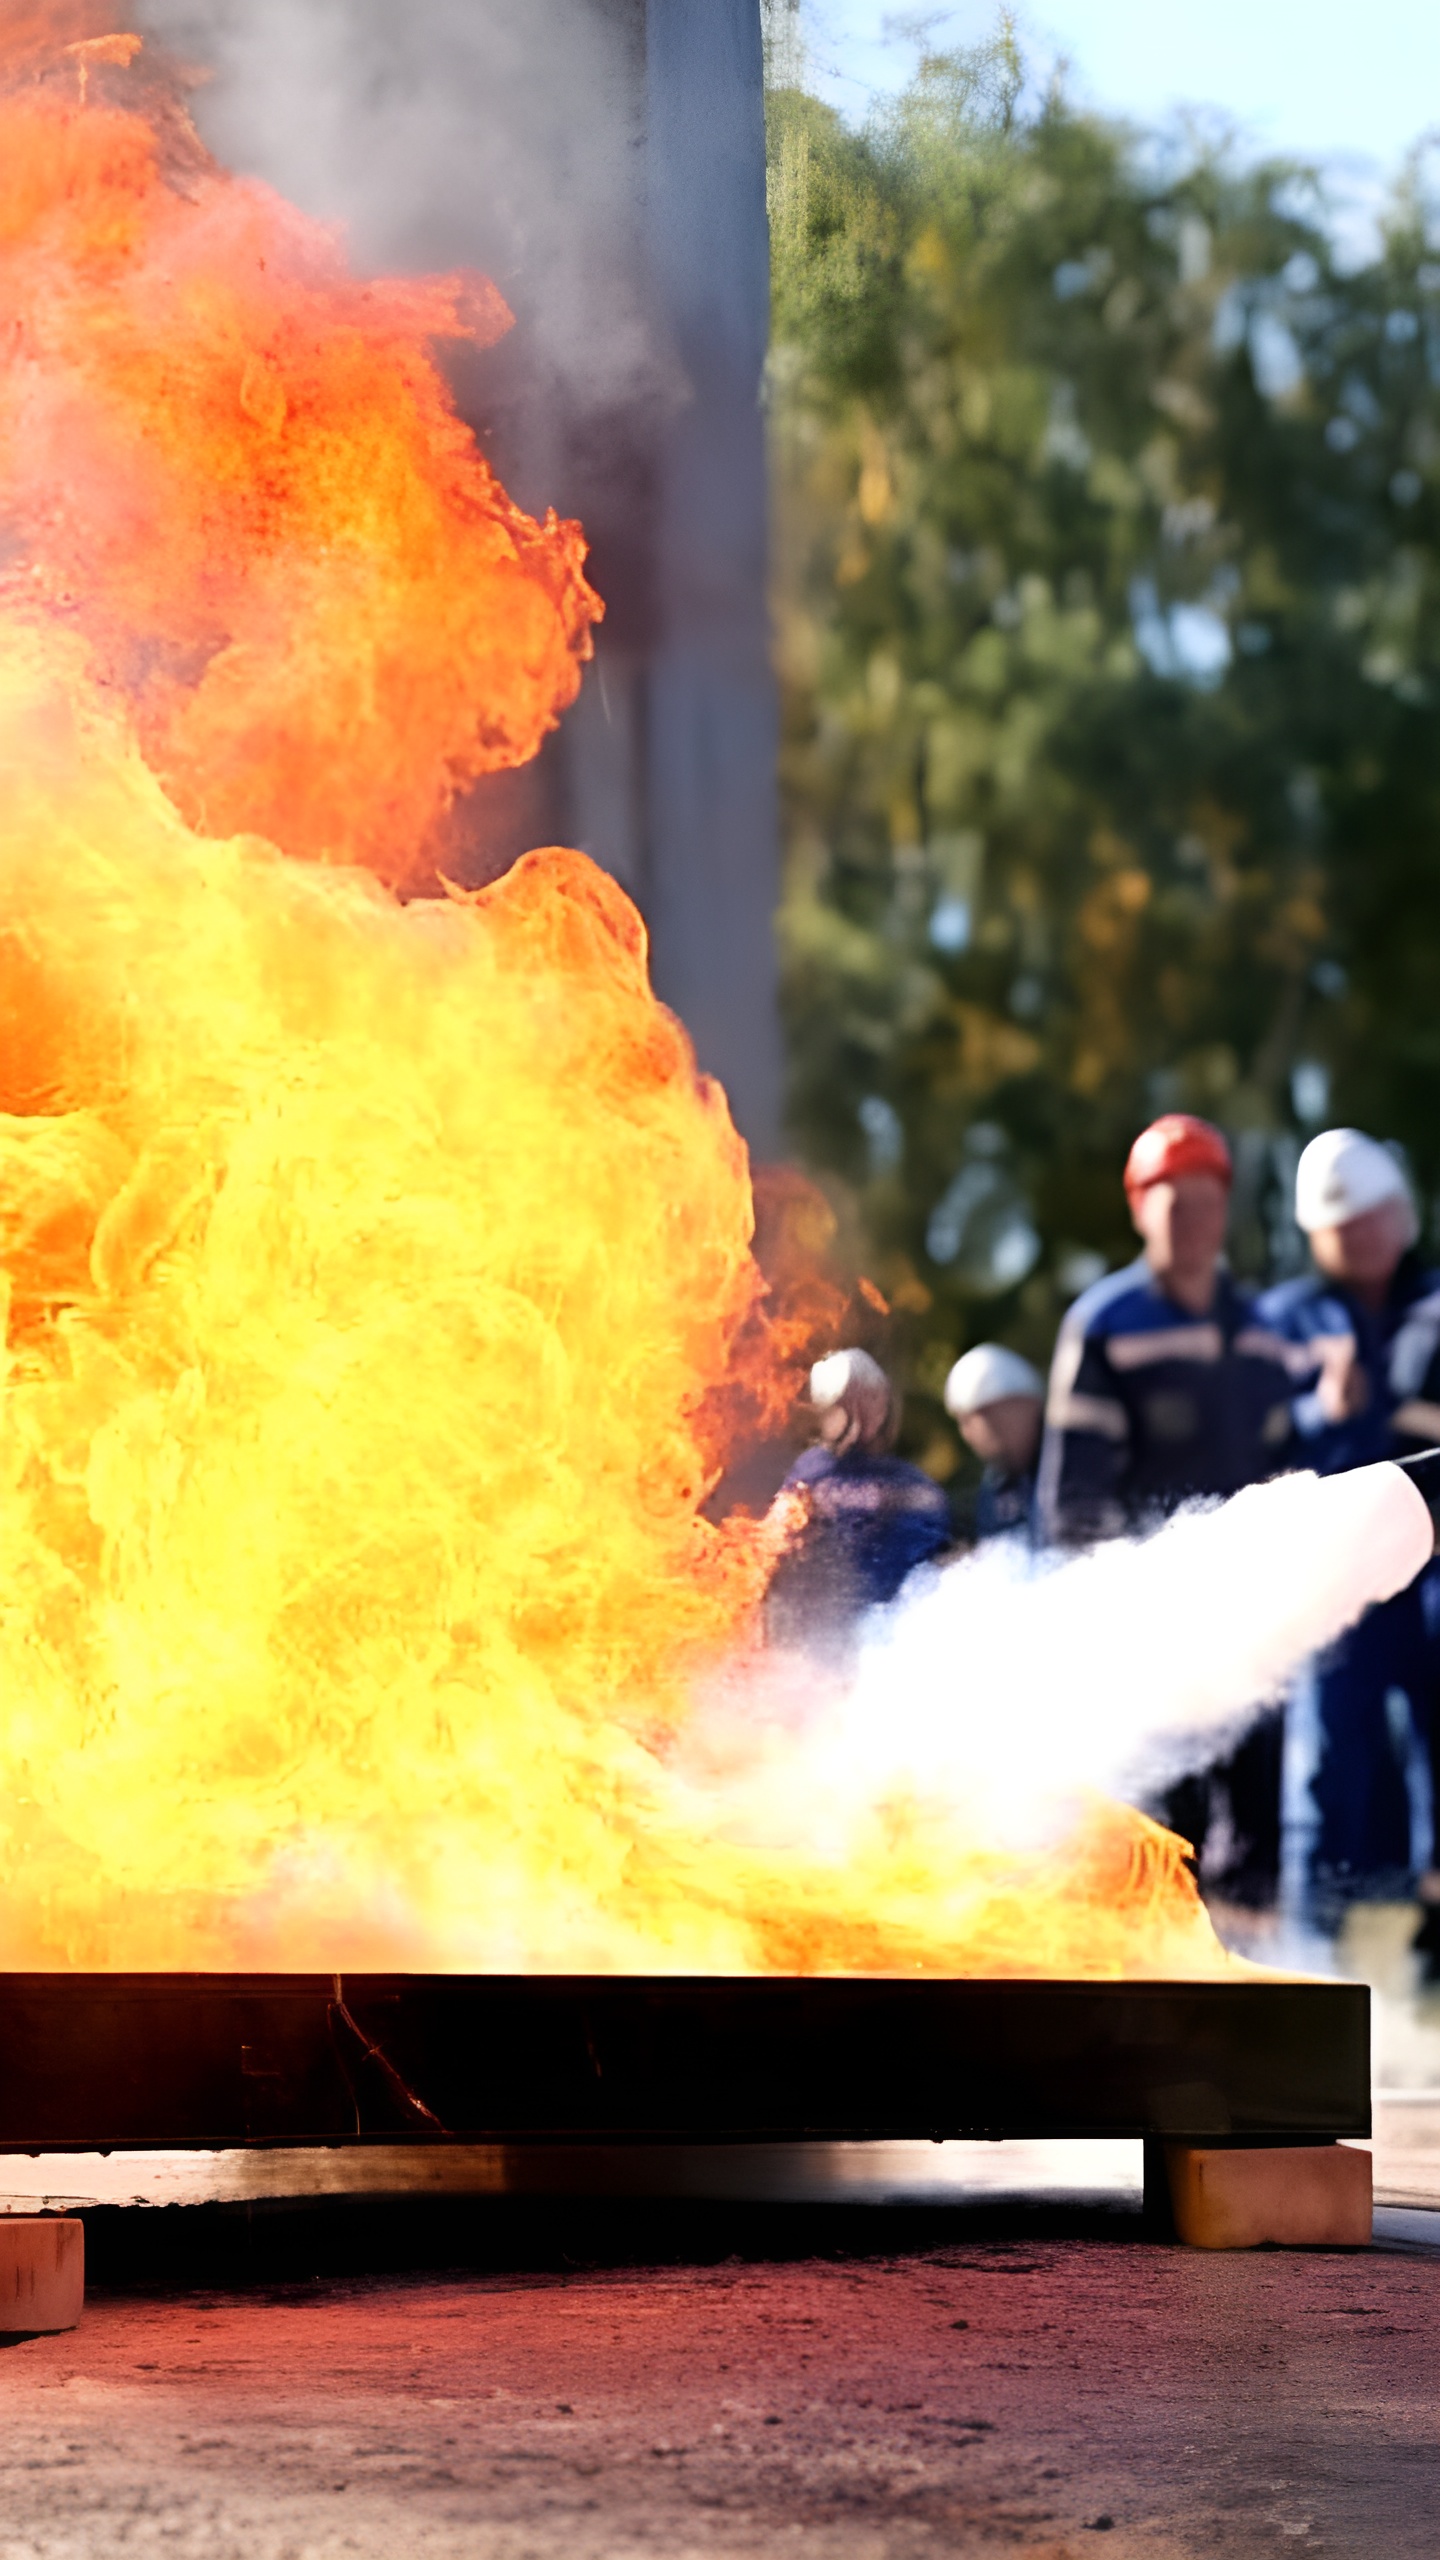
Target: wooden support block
<point>1316,2198</point>
<point>42,2272</point>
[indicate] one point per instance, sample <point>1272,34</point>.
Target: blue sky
<point>1312,77</point>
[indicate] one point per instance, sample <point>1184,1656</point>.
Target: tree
<point>1106,504</point>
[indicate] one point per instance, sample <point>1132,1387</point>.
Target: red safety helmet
<point>1176,1143</point>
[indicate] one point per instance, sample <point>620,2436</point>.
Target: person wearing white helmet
<point>998,1402</point>
<point>857,1519</point>
<point>1362,1331</point>
<point>1164,1389</point>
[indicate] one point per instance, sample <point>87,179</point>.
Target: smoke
<point>443,134</point>
<point>1003,1693</point>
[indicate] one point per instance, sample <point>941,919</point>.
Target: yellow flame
<point>367,1266</point>
<point>376,1278</point>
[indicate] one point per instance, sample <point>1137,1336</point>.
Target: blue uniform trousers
<point>1248,1785</point>
<point>1360,1790</point>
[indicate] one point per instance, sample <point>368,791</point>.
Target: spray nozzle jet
<point>1423,1471</point>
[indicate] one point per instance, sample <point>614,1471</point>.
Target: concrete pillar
<point>604,160</point>
<point>712,818</point>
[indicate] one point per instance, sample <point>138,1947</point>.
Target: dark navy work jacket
<point>875,1518</point>
<point>1397,1346</point>
<point>1149,1405</point>
<point>869,1521</point>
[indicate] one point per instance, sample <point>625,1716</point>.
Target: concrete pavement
<point>865,2353</point>
<point>1015,2394</point>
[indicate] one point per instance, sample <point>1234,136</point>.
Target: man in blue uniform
<point>1166,1385</point>
<point>998,1402</point>
<point>860,1520</point>
<point>1364,1327</point>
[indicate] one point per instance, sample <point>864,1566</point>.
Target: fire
<point>377,1275</point>
<point>238,472</point>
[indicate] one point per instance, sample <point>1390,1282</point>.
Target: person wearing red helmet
<point>1165,1385</point>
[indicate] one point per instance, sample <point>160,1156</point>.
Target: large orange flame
<point>377,1277</point>
<point>239,472</point>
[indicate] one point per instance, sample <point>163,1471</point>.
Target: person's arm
<point>1086,1451</point>
<point>1337,1388</point>
<point>1414,1373</point>
<point>1328,1384</point>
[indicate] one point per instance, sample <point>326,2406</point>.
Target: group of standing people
<point>1171,1381</point>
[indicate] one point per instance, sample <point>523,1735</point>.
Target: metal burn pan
<point>105,2061</point>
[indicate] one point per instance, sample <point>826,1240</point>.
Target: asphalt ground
<point>994,2383</point>
<point>865,2354</point>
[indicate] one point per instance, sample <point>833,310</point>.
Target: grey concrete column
<point>712,725</point>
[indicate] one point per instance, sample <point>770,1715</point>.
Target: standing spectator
<point>1166,1385</point>
<point>997,1399</point>
<point>860,1520</point>
<point>1364,1327</point>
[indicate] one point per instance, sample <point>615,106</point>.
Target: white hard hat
<point>843,1374</point>
<point>986,1374</point>
<point>857,1384</point>
<point>1341,1174</point>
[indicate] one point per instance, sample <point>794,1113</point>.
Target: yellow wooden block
<point>1317,2197</point>
<point>42,2272</point>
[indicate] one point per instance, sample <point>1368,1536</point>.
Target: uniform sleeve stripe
<point>841,1493</point>
<point>1065,1367</point>
<point>1417,1420</point>
<point>1172,1342</point>
<point>1301,1359</point>
<point>1071,1412</point>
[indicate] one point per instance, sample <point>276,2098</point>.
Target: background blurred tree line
<point>1107,515</point>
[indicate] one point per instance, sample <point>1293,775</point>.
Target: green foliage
<point>1109,621</point>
